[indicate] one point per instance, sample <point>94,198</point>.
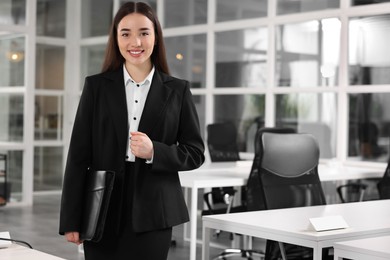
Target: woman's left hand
<point>141,145</point>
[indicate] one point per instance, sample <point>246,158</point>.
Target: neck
<point>138,73</point>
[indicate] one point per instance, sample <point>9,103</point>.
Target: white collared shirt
<point>136,93</point>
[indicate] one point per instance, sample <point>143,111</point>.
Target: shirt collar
<point>128,78</point>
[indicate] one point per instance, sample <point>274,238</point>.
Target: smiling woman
<point>138,121</point>
<point>136,40</point>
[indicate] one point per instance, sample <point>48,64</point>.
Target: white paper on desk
<point>328,223</point>
<point>4,243</point>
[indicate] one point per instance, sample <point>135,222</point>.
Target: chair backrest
<point>287,172</point>
<point>253,187</point>
<point>222,142</point>
<point>384,184</point>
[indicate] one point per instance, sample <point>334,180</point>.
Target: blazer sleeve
<point>188,152</point>
<point>78,161</point>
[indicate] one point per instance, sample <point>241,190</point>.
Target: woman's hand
<point>141,145</point>
<point>73,237</point>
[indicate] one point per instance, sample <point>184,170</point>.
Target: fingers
<point>137,134</point>
<point>73,237</point>
<point>141,145</point>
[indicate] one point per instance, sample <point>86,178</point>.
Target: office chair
<point>287,176</point>
<point>253,190</point>
<point>351,192</point>
<point>384,184</point>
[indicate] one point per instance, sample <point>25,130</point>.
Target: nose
<point>135,41</point>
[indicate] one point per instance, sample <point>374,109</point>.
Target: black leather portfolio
<point>99,185</point>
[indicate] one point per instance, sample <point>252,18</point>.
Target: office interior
<point>320,67</point>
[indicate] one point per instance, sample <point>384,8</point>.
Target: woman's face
<point>136,39</point>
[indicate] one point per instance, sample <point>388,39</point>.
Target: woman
<point>141,123</point>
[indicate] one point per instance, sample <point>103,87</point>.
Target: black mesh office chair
<point>253,189</point>
<point>384,184</point>
<point>286,174</point>
<point>222,142</point>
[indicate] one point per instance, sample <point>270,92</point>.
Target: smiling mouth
<point>135,52</point>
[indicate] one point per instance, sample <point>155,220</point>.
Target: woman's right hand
<point>73,237</point>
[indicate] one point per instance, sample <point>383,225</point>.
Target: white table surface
<point>224,174</point>
<point>18,252</point>
<point>374,248</point>
<point>292,225</point>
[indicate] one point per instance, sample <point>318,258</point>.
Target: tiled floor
<point>38,225</point>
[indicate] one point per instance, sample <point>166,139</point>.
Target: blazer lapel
<point>116,98</point>
<point>157,98</point>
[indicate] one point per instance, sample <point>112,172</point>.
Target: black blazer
<point>100,138</point>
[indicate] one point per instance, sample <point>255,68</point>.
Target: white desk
<point>224,174</point>
<point>374,248</point>
<point>17,252</point>
<point>365,219</point>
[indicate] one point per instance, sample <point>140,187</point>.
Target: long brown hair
<point>113,59</point>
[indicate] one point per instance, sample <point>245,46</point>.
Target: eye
<point>124,34</point>
<point>144,34</point>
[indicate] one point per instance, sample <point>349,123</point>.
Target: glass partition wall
<point>315,66</point>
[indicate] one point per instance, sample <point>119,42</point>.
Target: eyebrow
<point>141,29</point>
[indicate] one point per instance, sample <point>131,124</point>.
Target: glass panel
<point>50,67</point>
<point>241,58</point>
<point>243,9</point>
<point>91,60</point>
<point>369,126</point>
<point>14,175</point>
<point>48,118</point>
<point>366,2</point>
<point>13,12</point>
<point>51,18</point>
<point>182,13</point>
<point>96,17</point>
<point>12,48</point>
<point>200,104</point>
<point>307,54</point>
<point>369,38</point>
<point>48,168</point>
<point>300,6</point>
<point>186,57</point>
<point>246,112</point>
<point>310,113</point>
<point>11,118</point>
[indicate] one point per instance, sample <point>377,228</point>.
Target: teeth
<point>135,52</point>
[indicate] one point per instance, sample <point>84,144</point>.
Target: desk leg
<point>185,227</point>
<point>205,243</point>
<point>194,220</point>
